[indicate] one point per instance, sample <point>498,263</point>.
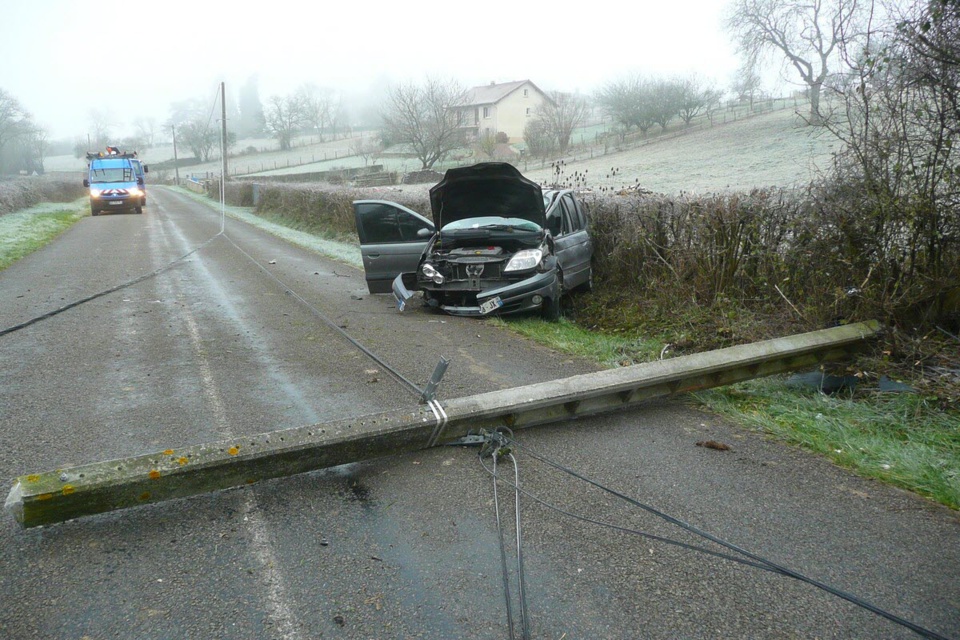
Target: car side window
<point>571,222</point>
<point>379,223</point>
<point>554,219</point>
<point>581,213</point>
<point>410,226</point>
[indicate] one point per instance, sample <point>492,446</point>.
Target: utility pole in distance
<point>176,166</point>
<point>223,128</point>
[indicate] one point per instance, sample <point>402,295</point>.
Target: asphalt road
<point>405,546</point>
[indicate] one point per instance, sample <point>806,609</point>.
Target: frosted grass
<point>25,231</point>
<point>340,251</point>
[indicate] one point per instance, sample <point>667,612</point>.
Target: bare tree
<point>806,32</point>
<point>561,114</point>
<point>366,148</point>
<point>894,193</point>
<point>746,83</point>
<point>539,140</point>
<point>199,137</point>
<point>14,119</point>
<point>102,122</point>
<point>695,97</point>
<point>284,116</point>
<point>424,116</point>
<point>318,104</point>
<point>628,102</point>
<point>146,130</point>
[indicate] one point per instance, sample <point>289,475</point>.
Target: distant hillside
<point>773,149</point>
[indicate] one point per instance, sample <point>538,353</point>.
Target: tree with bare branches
<point>14,119</point>
<point>561,114</point>
<point>318,104</point>
<point>806,32</point>
<point>424,116</point>
<point>285,116</point>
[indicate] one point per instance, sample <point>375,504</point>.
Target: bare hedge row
<point>806,254</point>
<point>21,193</point>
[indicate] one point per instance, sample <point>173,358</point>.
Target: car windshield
<point>112,174</point>
<point>493,222</point>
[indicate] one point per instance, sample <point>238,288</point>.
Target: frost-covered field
<point>774,149</point>
<point>769,150</point>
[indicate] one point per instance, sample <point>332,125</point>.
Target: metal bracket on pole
<point>430,392</point>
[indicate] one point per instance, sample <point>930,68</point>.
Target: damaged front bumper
<point>525,295</point>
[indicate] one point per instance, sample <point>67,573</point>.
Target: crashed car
<point>497,243</point>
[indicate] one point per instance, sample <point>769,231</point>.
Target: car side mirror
<point>146,169</point>
<point>140,181</point>
<point>86,182</point>
<point>424,233</point>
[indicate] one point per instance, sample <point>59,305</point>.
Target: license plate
<point>490,305</point>
<point>116,202</point>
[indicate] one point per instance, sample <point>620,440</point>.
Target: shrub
<point>21,193</point>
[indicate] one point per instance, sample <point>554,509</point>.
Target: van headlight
<point>94,193</point>
<point>524,260</point>
<point>135,192</point>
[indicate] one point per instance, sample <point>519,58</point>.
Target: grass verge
<point>23,232</point>
<point>905,439</point>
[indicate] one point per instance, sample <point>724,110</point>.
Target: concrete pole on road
<point>71,492</point>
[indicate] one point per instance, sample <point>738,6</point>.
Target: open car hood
<point>486,189</point>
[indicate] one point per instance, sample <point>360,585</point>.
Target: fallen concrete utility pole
<point>56,496</point>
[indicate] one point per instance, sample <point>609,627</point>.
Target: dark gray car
<point>497,244</point>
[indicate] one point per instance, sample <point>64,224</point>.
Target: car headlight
<point>94,193</point>
<point>524,260</point>
<point>430,272</point>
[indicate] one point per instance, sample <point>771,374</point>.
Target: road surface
<point>406,546</point>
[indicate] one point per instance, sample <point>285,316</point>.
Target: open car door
<point>392,240</point>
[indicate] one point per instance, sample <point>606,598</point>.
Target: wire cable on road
<point>495,452</point>
<point>129,283</point>
<point>757,561</point>
<point>396,374</point>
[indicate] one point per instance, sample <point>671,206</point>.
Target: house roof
<point>494,93</point>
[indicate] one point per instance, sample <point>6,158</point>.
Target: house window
<point>528,111</point>
<point>526,93</point>
<point>486,112</point>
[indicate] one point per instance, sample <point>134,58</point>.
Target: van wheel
<point>94,211</point>
<point>139,209</point>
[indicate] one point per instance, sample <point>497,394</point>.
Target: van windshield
<point>117,174</point>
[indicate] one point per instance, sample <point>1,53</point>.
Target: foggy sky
<point>63,58</point>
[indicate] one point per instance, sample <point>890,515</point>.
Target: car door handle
<point>373,256</point>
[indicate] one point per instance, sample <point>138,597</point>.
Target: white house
<point>505,107</point>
